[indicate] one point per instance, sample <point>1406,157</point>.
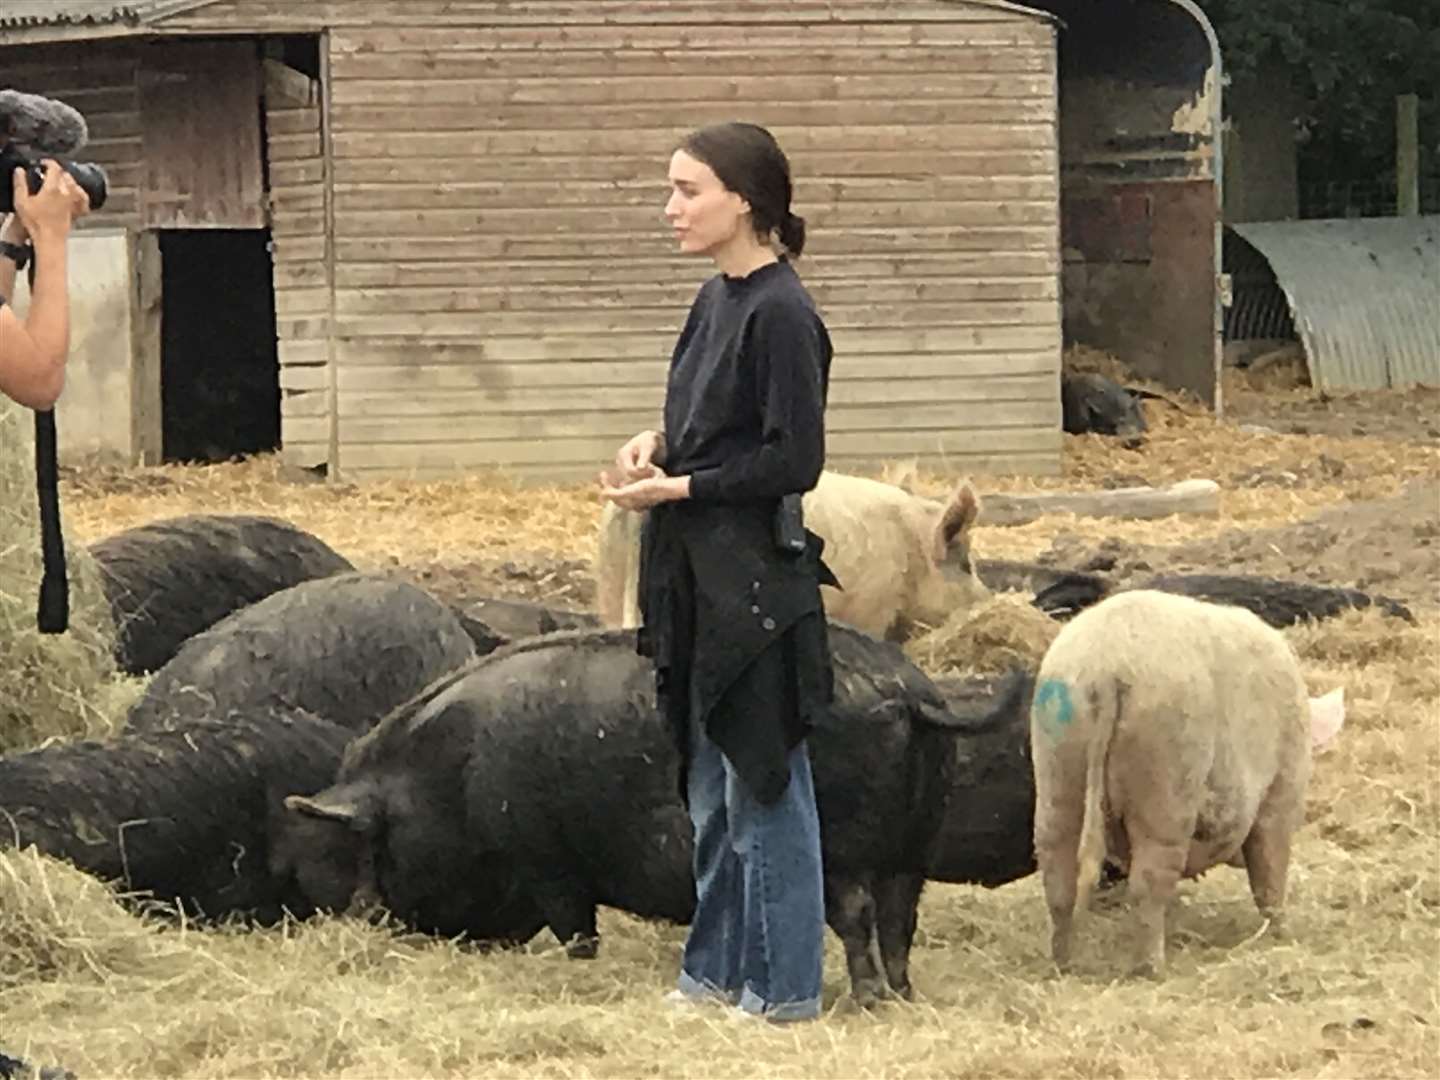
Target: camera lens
<point>91,178</point>
<point>92,181</point>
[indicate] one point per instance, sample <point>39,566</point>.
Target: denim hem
<point>702,991</point>
<point>781,1012</point>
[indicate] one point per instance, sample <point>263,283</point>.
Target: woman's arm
<point>14,233</point>
<point>32,353</point>
<point>792,351</point>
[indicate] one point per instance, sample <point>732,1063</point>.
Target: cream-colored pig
<point>1173,735</point>
<point>903,561</point>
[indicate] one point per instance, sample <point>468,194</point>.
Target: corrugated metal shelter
<point>470,266</point>
<point>1363,293</point>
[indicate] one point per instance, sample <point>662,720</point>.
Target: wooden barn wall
<point>302,284</point>
<point>506,290</point>
<point>101,80</point>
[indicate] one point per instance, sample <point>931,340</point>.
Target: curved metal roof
<point>1364,294</point>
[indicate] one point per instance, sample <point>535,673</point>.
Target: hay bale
<point>60,684</point>
<point>1085,360</point>
<point>1006,631</point>
<point>57,923</point>
<point>1282,369</point>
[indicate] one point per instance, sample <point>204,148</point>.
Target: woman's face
<point>705,215</point>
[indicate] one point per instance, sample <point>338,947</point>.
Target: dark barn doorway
<point>220,373</point>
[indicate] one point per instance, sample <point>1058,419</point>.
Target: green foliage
<point>1349,60</point>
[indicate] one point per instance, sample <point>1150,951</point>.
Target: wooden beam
<point>1407,155</point>
<point>284,84</point>
<point>1187,497</point>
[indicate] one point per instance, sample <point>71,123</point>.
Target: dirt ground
<point>1412,416</point>
<point>1354,499</point>
<point>1386,546</point>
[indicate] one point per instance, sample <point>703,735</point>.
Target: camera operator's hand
<point>51,211</point>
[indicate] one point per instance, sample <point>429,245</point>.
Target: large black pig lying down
<point>181,806</point>
<point>171,579</point>
<point>168,580</point>
<point>181,815</point>
<point>348,648</point>
<point>1279,603</point>
<point>540,781</point>
<point>1093,404</point>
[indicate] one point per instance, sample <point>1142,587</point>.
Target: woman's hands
<point>639,457</point>
<point>643,494</point>
<point>637,482</point>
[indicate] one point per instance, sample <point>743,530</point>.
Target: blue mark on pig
<point>1053,710</point>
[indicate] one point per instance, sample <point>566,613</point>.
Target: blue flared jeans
<point>758,935</point>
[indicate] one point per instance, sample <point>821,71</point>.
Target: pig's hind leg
<point>1267,862</point>
<point>897,899</point>
<point>1158,850</point>
<point>850,911</point>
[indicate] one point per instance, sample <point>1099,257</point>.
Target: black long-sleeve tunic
<point>735,625</point>
<point>745,399</point>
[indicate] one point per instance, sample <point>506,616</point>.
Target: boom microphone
<point>34,127</point>
<point>40,124</point>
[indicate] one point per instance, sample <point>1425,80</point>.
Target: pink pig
<point>1173,735</point>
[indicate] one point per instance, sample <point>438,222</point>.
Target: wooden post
<point>1407,155</point>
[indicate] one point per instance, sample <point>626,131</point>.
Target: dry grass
<point>471,517</point>
<point>1189,443</point>
<point>1353,993</point>
<point>1283,370</point>
<point>487,515</point>
<point>1004,632</point>
<point>51,685</point>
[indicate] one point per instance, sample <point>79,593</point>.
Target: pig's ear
<point>327,806</point>
<point>959,515</point>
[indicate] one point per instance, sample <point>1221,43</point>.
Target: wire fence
<point>1362,198</point>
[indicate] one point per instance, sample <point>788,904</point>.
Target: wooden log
<point>1136,503</point>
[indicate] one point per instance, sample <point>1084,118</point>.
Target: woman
<point>732,612</point>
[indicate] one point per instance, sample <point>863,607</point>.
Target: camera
<point>91,178</point>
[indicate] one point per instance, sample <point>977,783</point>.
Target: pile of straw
<point>1003,632</point>
<point>53,685</point>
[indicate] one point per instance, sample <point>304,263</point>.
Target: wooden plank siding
<point>506,293</point>
<point>102,82</point>
<point>298,251</point>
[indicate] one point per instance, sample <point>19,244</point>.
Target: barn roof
<point>20,14</point>
<point>86,18</point>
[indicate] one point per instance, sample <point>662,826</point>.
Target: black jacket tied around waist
<point>736,629</point>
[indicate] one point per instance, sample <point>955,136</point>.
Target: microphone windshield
<point>43,125</point>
